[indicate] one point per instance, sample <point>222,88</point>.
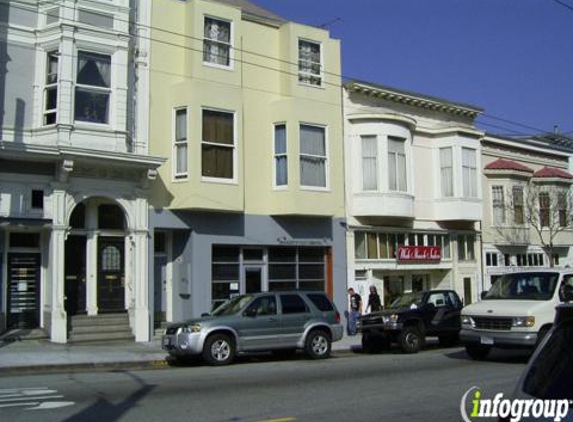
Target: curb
<point>82,367</point>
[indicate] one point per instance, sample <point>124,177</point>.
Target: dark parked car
<point>279,322</point>
<point>412,317</point>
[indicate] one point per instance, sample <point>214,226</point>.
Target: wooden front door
<point>111,274</point>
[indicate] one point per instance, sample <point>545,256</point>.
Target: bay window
<point>93,87</point>
<point>281,161</point>
<point>518,205</point>
<point>180,146</point>
<point>397,173</point>
<point>51,88</point>
<point>369,163</point>
<point>218,145</point>
<point>469,172</point>
<point>447,172</point>
<point>313,157</point>
<point>498,204</point>
<point>544,209</point>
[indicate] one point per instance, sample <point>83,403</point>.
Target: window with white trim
<point>447,172</point>
<point>563,209</point>
<point>51,88</point>
<point>397,172</point>
<point>180,145</point>
<point>369,163</point>
<point>466,247</point>
<point>218,145</point>
<point>313,158</point>
<point>309,63</point>
<point>469,172</point>
<point>544,209</point>
<point>518,205</point>
<point>217,42</point>
<point>281,160</point>
<point>93,87</point>
<point>498,204</point>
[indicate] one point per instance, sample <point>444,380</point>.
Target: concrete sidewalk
<point>41,356</point>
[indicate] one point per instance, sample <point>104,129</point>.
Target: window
<point>159,243</point>
<point>360,245</point>
<point>93,87</point>
<point>518,205</point>
<point>397,175</point>
<point>312,156</point>
<point>281,161</point>
<point>180,144</point>
<point>372,243</point>
<point>563,209</point>
<point>491,259</point>
<point>466,245</point>
<point>544,205</point>
<point>37,199</point>
<point>293,304</point>
<point>297,268</point>
<point>498,203</point>
<point>217,42</point>
<point>369,163</point>
<point>469,172</point>
<point>446,172</point>
<point>218,147</point>
<point>309,63</point>
<point>225,274</point>
<point>51,89</point>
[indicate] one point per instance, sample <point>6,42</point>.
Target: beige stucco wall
<point>262,89</point>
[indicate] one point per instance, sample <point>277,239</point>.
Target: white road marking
<point>52,405</point>
<point>28,393</point>
<point>43,398</point>
<point>30,398</point>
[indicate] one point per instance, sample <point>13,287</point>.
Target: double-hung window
<point>469,172</point>
<point>281,161</point>
<point>498,203</point>
<point>518,205</point>
<point>563,209</point>
<point>217,42</point>
<point>446,172</point>
<point>369,163</point>
<point>309,63</point>
<point>51,89</point>
<point>397,174</point>
<point>218,146</point>
<point>544,209</point>
<point>93,87</point>
<point>313,157</point>
<point>180,146</point>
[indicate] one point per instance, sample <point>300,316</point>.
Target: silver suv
<point>272,321</point>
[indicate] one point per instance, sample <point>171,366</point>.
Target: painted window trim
<point>274,157</point>
<point>221,180</point>
<point>45,111</point>
<point>179,177</point>
<point>325,188</point>
<point>306,74</point>
<point>231,65</point>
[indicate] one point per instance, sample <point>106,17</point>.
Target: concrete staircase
<point>100,328</point>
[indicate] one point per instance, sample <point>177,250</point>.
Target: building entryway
<point>75,276</point>
<point>111,275</point>
<point>253,279</point>
<point>23,290</point>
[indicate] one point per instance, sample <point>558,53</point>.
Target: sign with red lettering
<point>419,254</point>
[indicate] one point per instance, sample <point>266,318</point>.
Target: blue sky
<point>514,58</point>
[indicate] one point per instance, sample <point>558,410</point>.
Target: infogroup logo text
<point>514,409</point>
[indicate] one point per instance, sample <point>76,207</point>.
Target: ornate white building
<point>74,167</point>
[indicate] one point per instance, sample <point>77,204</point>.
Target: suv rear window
<point>293,304</point>
<point>321,302</point>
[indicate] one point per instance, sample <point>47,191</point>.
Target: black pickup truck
<point>410,318</point>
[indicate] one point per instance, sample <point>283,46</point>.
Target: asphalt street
<point>385,387</point>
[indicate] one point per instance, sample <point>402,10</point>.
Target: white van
<point>517,312</point>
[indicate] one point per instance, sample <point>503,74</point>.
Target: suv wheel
<point>410,340</point>
<point>219,349</point>
<point>318,345</point>
<point>477,351</point>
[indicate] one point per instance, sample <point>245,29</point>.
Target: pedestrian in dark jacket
<point>374,302</point>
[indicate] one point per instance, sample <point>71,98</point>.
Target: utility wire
<point>565,5</point>
<point>235,59</point>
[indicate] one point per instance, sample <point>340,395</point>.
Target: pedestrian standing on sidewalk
<point>374,302</point>
<point>355,311</point>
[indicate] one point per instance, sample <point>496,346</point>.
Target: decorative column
<point>140,256</point>
<point>58,326</point>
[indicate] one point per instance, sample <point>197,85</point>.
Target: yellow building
<point>247,108</point>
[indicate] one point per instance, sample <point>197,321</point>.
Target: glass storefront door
<point>254,280</point>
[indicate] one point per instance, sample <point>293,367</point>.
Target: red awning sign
<point>419,254</point>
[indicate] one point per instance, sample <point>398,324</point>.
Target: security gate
<point>23,290</point>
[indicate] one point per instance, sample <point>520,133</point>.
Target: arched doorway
<point>95,258</point>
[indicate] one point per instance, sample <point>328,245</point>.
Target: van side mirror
<point>483,295</point>
<point>566,293</point>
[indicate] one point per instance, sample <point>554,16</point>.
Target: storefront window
<point>360,245</point>
<point>225,274</point>
<point>383,245</point>
<point>372,246</point>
